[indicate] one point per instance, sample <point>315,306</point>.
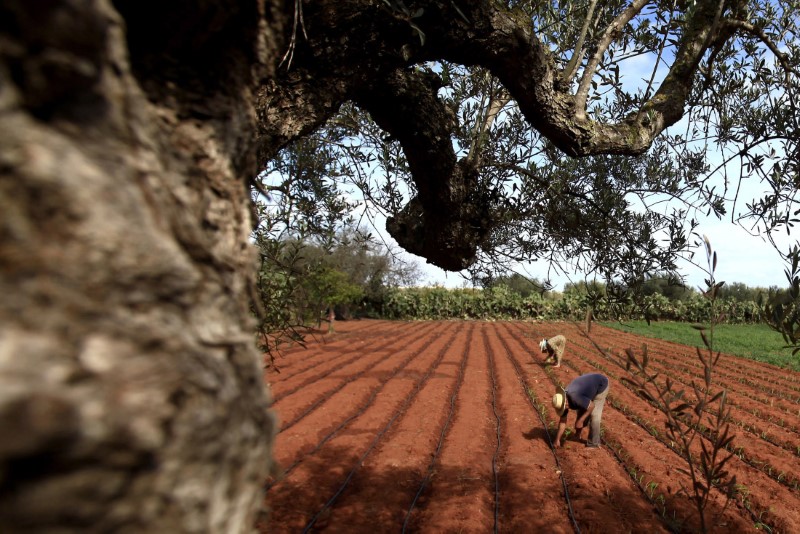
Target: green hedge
<point>502,303</point>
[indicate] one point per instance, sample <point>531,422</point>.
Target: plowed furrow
<point>307,496</point>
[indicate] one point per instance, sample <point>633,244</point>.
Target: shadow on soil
<point>537,434</point>
<point>316,494</point>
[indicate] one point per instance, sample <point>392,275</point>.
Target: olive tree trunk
<point>131,393</point>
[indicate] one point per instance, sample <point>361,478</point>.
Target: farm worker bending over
<point>554,346</point>
<point>587,395</point>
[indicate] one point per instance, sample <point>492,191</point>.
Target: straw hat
<point>543,345</point>
<point>560,401</point>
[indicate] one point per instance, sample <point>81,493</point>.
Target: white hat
<point>560,401</point>
<point>543,345</point>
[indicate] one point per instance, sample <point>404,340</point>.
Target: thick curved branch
<point>362,52</point>
<point>478,33</point>
<point>405,105</point>
<point>496,41</point>
<point>764,38</point>
<point>448,219</point>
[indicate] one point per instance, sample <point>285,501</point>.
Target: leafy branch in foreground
<point>701,422</point>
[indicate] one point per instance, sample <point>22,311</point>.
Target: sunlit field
<point>754,341</point>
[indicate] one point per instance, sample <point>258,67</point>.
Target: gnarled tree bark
<point>131,393</point>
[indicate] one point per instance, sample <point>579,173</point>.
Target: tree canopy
<point>582,134</point>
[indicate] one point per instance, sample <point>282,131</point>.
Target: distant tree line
<point>516,297</point>
<point>305,283</point>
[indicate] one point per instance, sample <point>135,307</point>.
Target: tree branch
<point>609,36</point>
<point>449,218</point>
<point>761,36</point>
<point>577,55</point>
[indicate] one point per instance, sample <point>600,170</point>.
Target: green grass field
<point>756,342</point>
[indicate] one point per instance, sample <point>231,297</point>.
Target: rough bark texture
<point>131,394</point>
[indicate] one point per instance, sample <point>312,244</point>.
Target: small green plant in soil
<point>687,418</point>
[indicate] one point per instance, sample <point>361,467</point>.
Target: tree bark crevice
<point>128,367</point>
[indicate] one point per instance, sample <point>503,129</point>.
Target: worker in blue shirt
<point>587,396</point>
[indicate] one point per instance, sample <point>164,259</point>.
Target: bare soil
<point>447,427</point>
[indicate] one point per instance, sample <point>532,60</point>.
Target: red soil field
<point>446,426</point>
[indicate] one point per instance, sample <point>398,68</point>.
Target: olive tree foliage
<point>700,421</point>
<point>314,257</point>
<point>296,204</point>
<point>782,310</point>
<point>531,131</point>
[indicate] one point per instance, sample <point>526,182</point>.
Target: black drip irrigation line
<point>346,381</point>
<point>453,397</point>
<point>670,524</point>
<point>725,367</point>
<point>638,422</point>
<point>520,375</point>
<point>657,356</point>
<point>792,485</point>
<point>360,332</point>
<point>617,456</point>
<point>358,353</point>
<point>736,420</point>
<point>613,448</point>
<point>380,435</point>
<point>358,412</point>
<point>763,370</point>
<point>324,347</point>
<point>497,427</point>
<point>608,446</point>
